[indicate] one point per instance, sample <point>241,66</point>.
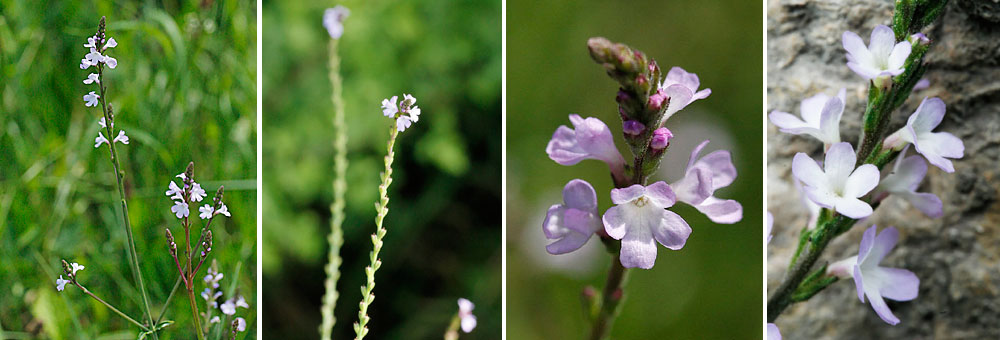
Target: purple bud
<point>633,128</point>
<point>622,96</point>
<point>919,39</point>
<point>656,100</point>
<point>641,80</point>
<point>661,138</point>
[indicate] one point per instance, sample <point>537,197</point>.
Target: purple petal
<point>899,284</point>
<point>569,243</point>
<point>821,197</point>
<point>863,180</point>
<point>829,122</point>
<point>927,116</point>
<point>867,242</point>
<point>695,187</point>
<point>855,46</point>
<point>772,332</point>
<point>785,120</point>
<point>853,207</point>
<point>882,245</point>
<point>638,248</point>
<point>859,283</point>
<point>723,171</point>
<point>672,231</point>
<point>580,221</point>
<point>614,222</point>
<point>770,224</point>
<point>552,225</point>
<point>927,203</point>
<point>562,147</point>
<point>678,75</point>
<point>812,109</point>
<point>680,96</point>
<point>579,194</point>
<point>906,176</point>
<point>721,211</point>
<point>629,194</point>
<point>881,42</point>
<point>695,152</point>
<point>882,309</point>
<point>660,194</point>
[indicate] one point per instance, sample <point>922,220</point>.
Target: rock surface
<point>957,256</point>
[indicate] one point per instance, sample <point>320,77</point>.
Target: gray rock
<point>957,256</point>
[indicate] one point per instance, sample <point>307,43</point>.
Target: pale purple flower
<point>111,43</point>
<point>175,192</point>
<point>92,78</point>
<point>820,118</point>
<point>241,302</point>
<point>206,211</point>
<point>223,209</point>
<point>874,281</point>
<point>90,99</point>
<point>228,307</point>
<point>403,122</point>
<point>661,138</point>
<point>838,185</point>
<point>213,277</point>
<point>241,324</point>
<point>333,20</point>
<point>922,84</point>
<point>772,332</point>
<point>103,123</point>
<point>680,88</point>
<point>76,267</point>
<point>414,113</point>
<point>389,107</point>
<point>210,297</point>
<point>91,42</point>
<point>903,182</point>
<point>121,137</point>
<point>572,223</point>
<point>100,140</point>
<point>465,314</point>
<point>215,319</point>
<point>937,147</point>
<point>61,284</point>
<point>639,217</point>
<point>197,193</point>
<point>589,138</point>
<point>813,208</point>
<point>111,62</point>
<point>91,59</point>
<point>882,58</point>
<point>633,127</point>
<point>702,178</point>
<point>180,209</point>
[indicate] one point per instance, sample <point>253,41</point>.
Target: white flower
<point>182,176</point>
<point>102,123</point>
<point>838,185</point>
<point>90,99</point>
<point>937,147</point>
<point>175,191</point>
<point>408,99</point>
<point>111,43</point>
<point>91,42</point>
<point>215,319</point>
<point>333,20</point>
<point>197,193</point>
<point>639,217</point>
<point>875,282</point>
<point>465,313</point>
<point>223,210</point>
<point>881,59</point>
<point>241,324</point>
<point>111,62</point>
<point>94,57</point>
<point>403,122</point>
<point>228,307</point>
<point>76,267</point>
<point>100,140</point>
<point>206,212</point>
<point>820,118</point>
<point>241,302</point>
<point>180,209</point>
<point>389,107</point>
<point>60,283</point>
<point>121,137</point>
<point>414,113</point>
<point>92,78</point>
<point>903,181</point>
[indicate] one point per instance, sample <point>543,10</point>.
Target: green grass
<point>184,90</point>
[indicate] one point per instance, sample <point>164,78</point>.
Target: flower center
<point>640,202</point>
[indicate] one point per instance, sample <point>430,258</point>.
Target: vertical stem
<point>336,237</point>
<point>195,316</point>
<point>610,299</point>
<point>382,208</point>
<point>121,194</point>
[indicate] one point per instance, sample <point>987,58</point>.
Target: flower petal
<point>629,194</point>
<point>882,42</point>
<point>861,181</point>
<point>808,172</point>
<point>853,207</point>
<point>721,211</point>
<point>614,222</point>
<point>882,309</point>
<point>579,194</point>
<point>927,203</point>
<point>660,194</point>
<point>568,243</point>
<point>899,284</point>
<point>680,96</point>
<point>695,187</point>
<point>785,120</point>
<point>881,246</point>
<point>927,116</point>
<point>672,231</point>
<point>638,248</point>
<point>839,162</point>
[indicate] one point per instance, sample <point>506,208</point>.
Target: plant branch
<point>336,236</point>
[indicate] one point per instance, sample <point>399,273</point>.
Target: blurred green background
<point>712,288</point>
<point>184,90</point>
<point>444,221</point>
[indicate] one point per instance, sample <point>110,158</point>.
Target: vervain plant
<point>404,113</point>
<point>189,262</point>
<point>640,218</point>
<point>852,184</point>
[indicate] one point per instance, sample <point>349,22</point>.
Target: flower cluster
<point>468,320</point>
<point>850,183</point>
<point>97,45</point>
<point>333,20</point>
<point>211,295</point>
<point>70,270</point>
<point>191,191</point>
<point>405,112</point>
<point>640,217</point>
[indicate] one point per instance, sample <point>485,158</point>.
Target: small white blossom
<point>121,137</point>
<point>91,42</point>
<point>76,267</point>
<point>465,313</point>
<point>241,324</point>
<point>99,140</point>
<point>111,43</point>
<point>228,307</point>
<point>92,78</point>
<point>175,192</point>
<point>197,193</point>
<point>403,122</point>
<point>389,107</point>
<point>241,302</point>
<point>90,99</point>
<point>223,210</point>
<point>215,319</point>
<point>333,20</point>
<point>60,283</point>
<point>111,62</point>
<point>180,209</point>
<point>206,212</point>
<point>102,123</point>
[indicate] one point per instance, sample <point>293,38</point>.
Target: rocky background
<point>957,257</point>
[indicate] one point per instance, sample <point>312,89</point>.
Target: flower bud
<point>633,128</point>
<point>919,39</point>
<point>657,100</point>
<point>661,138</point>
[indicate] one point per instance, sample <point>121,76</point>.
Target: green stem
<point>610,299</point>
<point>121,194</point>
<point>360,328</point>
<point>113,309</point>
<point>452,332</point>
<point>195,316</point>
<point>336,237</point>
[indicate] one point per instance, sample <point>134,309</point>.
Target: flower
<point>241,302</point>
<point>772,332</point>
<point>333,20</point>
<point>102,123</point>
<point>820,118</point>
<point>903,182</point>
<point>680,88</point>
<point>882,58</point>
<point>241,324</point>
<point>633,127</point>
<point>414,113</point>
<point>408,100</point>
<point>572,223</point>
<point>702,178</point>
<point>661,138</point>
<point>90,99</point>
<point>389,107</point>
<point>922,84</point>
<point>937,147</point>
<point>197,193</point>
<point>76,267</point>
<point>874,281</point>
<point>121,137</point>
<point>92,58</point>
<point>403,122</point>
<point>111,43</point>
<point>223,210</point>
<point>92,78</point>
<point>111,62</point>
<point>61,284</point>
<point>590,138</point>
<point>465,313</point>
<point>641,216</point>
<point>180,209</point>
<point>215,319</point>
<point>175,192</point>
<point>91,42</point>
<point>838,185</point>
<point>206,212</point>
<point>213,277</point>
<point>228,307</point>
<point>100,139</point>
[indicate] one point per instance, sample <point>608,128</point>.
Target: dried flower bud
<point>189,174</point>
